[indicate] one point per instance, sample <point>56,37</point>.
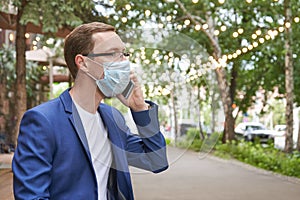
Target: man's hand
<point>136,100</point>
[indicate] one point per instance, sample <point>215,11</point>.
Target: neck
<point>86,93</point>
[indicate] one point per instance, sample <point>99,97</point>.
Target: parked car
<point>251,131</point>
<point>279,140</point>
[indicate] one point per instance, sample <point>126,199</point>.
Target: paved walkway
<point>190,177</point>
<point>211,178</point>
<point>6,191</point>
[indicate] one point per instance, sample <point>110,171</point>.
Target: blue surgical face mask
<point>116,77</point>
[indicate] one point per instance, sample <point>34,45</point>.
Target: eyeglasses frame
<point>93,55</point>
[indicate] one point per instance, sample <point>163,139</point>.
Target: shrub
<point>168,141</point>
<point>264,156</point>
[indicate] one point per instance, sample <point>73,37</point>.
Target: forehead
<point>107,41</point>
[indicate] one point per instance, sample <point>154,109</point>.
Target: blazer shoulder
<point>49,108</point>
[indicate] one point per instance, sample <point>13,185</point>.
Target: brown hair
<point>80,41</point>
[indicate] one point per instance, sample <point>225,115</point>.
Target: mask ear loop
<point>90,75</point>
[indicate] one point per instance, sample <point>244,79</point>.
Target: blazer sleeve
<point>33,157</point>
<point>148,149</point>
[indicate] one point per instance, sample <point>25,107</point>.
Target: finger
<point>135,79</point>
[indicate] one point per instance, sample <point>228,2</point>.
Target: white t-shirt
<point>99,146</point>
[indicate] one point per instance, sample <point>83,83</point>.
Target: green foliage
<point>277,108</point>
<point>56,14</point>
<point>260,156</point>
<point>168,141</point>
<point>7,64</point>
<point>191,140</point>
<point>264,156</point>
<point>262,67</point>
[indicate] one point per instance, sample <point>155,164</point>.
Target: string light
<point>205,26</point>
<point>288,25</point>
<point>169,18</point>
<point>187,22</point>
<point>261,40</point>
<point>216,32</point>
<point>258,32</point>
<point>197,27</point>
<point>160,25</point>
<point>222,62</point>
<point>142,22</point>
<point>11,36</point>
<point>127,6</point>
<point>124,19</point>
<point>212,63</point>
<point>223,28</point>
<point>147,13</point>
<point>281,29</point>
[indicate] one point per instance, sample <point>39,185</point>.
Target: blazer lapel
<point>119,177</point>
<point>75,121</point>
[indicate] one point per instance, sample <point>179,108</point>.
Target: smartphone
<point>128,90</point>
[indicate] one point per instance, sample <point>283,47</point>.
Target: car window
<point>255,128</point>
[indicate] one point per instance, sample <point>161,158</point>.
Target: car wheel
<point>248,138</point>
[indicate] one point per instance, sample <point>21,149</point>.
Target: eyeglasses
<point>113,55</point>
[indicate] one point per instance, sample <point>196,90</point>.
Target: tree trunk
<point>199,114</point>
<point>220,72</point>
<point>298,140</point>
<point>175,116</point>
<point>20,84</point>
<point>214,104</point>
<point>223,84</point>
<point>289,81</point>
<point>227,105</point>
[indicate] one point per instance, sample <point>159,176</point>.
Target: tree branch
<point>209,34</point>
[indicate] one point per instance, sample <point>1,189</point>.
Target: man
<point>75,147</point>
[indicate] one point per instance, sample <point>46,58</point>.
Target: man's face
<point>108,48</point>
<point>108,42</point>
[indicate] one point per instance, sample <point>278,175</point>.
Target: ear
<point>79,61</point>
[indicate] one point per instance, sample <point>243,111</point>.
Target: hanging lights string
<point>257,39</point>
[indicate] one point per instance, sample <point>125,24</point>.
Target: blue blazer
<point>52,159</point>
